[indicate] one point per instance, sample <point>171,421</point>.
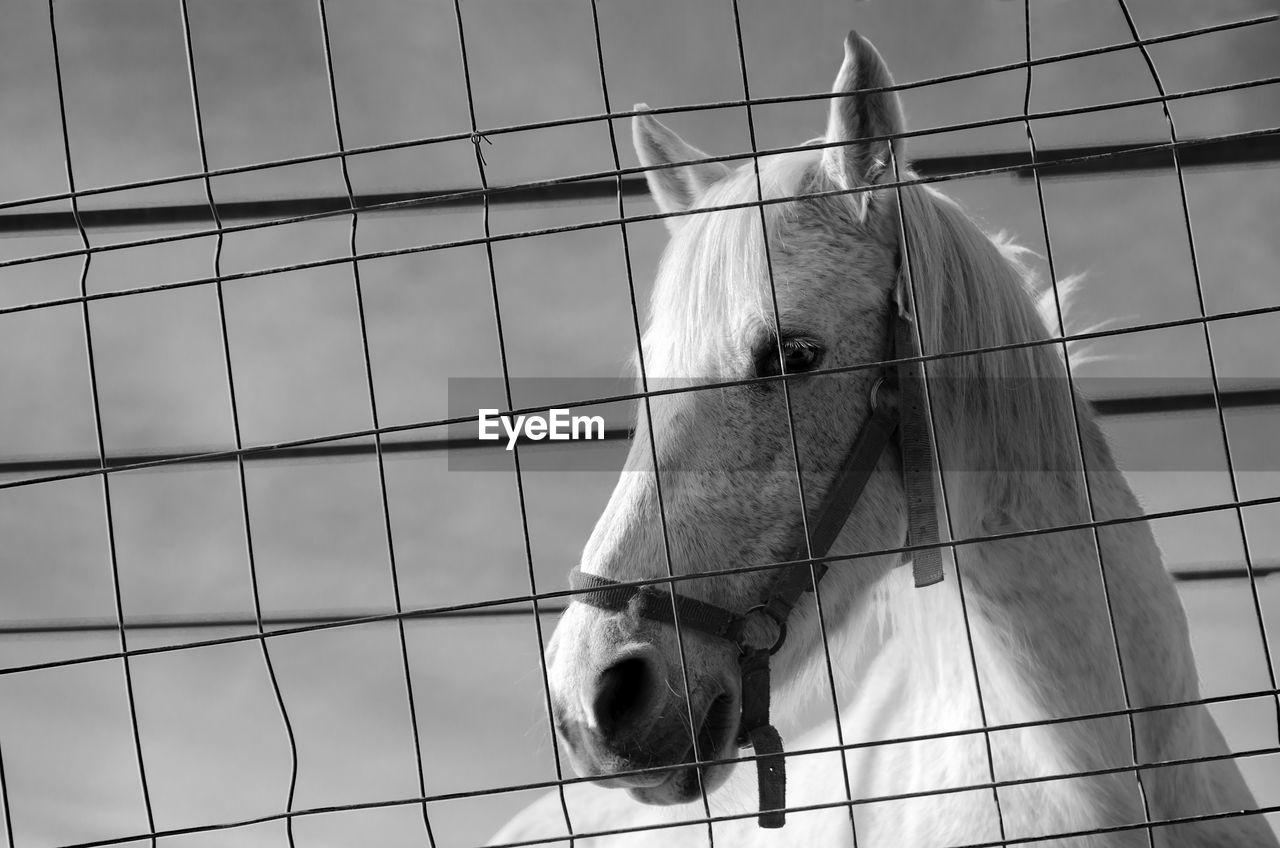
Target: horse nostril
<point>624,694</point>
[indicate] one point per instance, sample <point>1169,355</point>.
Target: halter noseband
<point>897,406</point>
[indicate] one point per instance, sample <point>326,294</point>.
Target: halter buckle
<point>778,620</point>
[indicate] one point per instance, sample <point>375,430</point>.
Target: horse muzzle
<point>630,726</point>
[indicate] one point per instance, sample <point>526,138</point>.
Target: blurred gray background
<point>212,739</point>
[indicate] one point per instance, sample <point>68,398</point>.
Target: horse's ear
<point>854,162</point>
<point>674,189</point>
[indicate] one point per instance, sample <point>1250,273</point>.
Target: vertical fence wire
<point>405,665</point>
<point>643,372</point>
<point>112,558</point>
<point>241,474</point>
<point>790,416</point>
<point>476,139</point>
<point>1077,429</point>
<point>5,806</point>
<point>941,479</point>
<point>635,309</point>
<point>1208,346</point>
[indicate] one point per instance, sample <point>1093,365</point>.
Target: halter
<point>897,406</point>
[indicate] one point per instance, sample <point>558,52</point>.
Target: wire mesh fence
<point>92,215</point>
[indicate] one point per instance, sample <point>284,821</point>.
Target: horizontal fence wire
<point>1230,150</point>
<point>1175,402</point>
<point>1013,163</point>
<point>1181,144</point>
<point>1118,406</point>
<point>666,580</point>
<point>1189,573</point>
<point>1075,161</point>
<point>685,822</point>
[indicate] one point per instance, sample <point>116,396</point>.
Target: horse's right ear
<point>677,188</point>
<point>863,113</point>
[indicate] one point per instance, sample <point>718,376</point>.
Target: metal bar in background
<point>1155,404</point>
<point>1109,159</point>
<point>160,216</point>
<point>1256,150</point>
<point>1189,574</point>
<point>1107,406</point>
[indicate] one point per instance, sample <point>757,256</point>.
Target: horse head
<point>767,298</point>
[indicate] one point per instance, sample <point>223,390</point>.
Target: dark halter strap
<point>898,405</point>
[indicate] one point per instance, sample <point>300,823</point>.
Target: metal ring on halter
<point>773,616</point>
<point>875,393</point>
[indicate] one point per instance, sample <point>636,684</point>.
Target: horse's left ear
<point>864,113</point>
<point>676,188</point>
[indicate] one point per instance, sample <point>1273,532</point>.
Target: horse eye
<point>798,356</point>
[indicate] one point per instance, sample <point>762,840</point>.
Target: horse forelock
<point>715,279</point>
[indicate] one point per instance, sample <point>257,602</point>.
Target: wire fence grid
<point>27,216</point>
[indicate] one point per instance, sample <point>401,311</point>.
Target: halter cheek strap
<point>915,441</point>
<point>898,405</point>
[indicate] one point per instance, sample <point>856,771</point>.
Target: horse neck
<point>1066,623</point>
<point>1026,629</point>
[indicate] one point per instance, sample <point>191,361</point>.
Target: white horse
<point>1022,630</point>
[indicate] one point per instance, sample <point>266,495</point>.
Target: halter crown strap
<point>915,440</point>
